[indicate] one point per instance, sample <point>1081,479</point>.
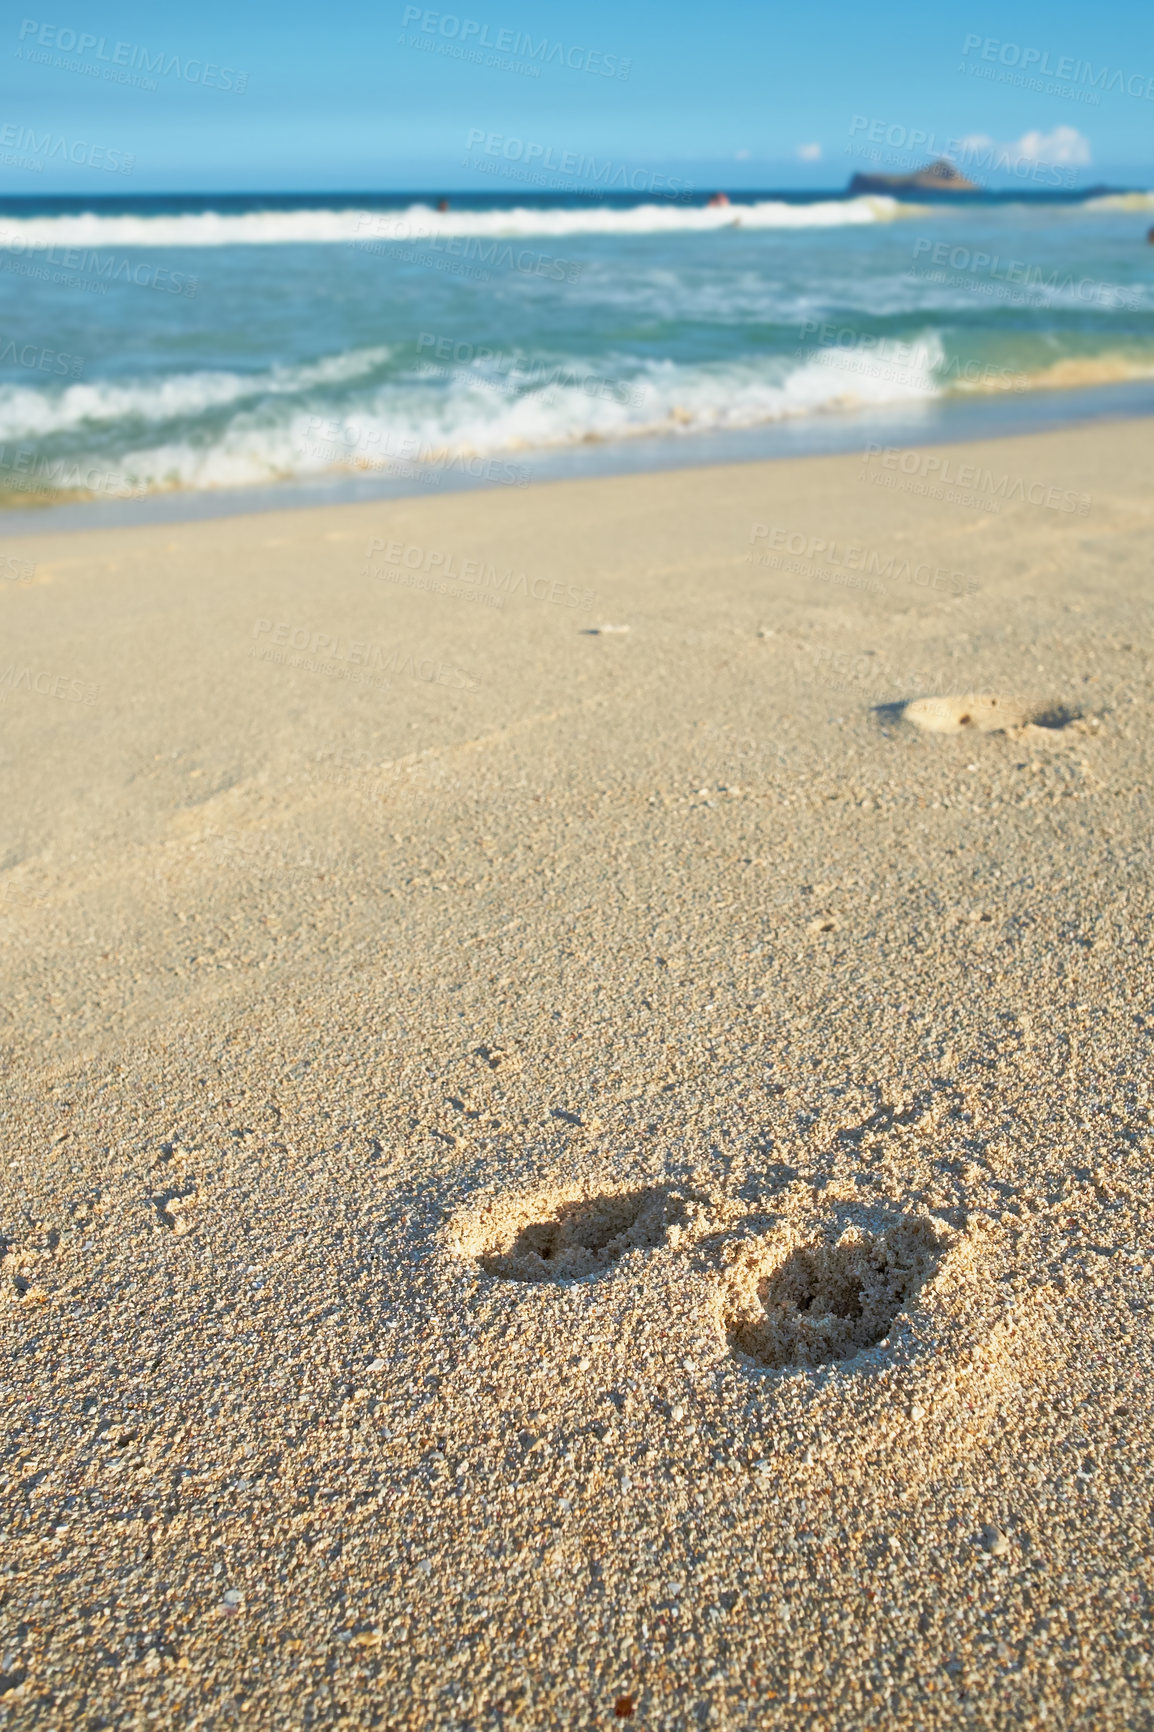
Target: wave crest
<point>422,222</point>
<point>1121,201</point>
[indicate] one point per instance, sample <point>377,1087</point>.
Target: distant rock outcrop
<point>939,176</point>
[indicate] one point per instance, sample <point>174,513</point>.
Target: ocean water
<point>149,345</point>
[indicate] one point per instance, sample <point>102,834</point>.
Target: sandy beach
<point>577,1123</point>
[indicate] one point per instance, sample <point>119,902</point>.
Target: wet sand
<point>577,1131</point>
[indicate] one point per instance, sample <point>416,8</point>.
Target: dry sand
<point>552,1174</point>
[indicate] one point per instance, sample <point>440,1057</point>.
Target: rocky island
<point>939,176</point>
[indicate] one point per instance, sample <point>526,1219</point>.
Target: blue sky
<point>728,94</point>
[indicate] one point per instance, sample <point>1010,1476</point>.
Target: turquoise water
<point>208,348</point>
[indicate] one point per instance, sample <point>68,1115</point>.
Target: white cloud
<point>809,152</point>
<point>1065,145</point>
<point>743,155</point>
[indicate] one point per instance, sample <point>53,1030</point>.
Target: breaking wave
<point>422,222</point>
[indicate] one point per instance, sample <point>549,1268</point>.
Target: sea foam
<point>422,222</point>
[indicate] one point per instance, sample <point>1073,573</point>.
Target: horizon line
<point>444,191</point>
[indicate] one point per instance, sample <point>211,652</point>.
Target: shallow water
<point>145,350</point>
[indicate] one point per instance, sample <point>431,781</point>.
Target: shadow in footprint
<point>830,1299</point>
<point>879,1123</point>
<point>1058,717</point>
<point>584,1236</point>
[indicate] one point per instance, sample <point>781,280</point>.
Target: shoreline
<point>948,421</point>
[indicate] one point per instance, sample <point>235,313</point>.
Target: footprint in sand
<point>830,1297</point>
<point>880,1326</point>
<point>570,1236</point>
<point>980,714</point>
